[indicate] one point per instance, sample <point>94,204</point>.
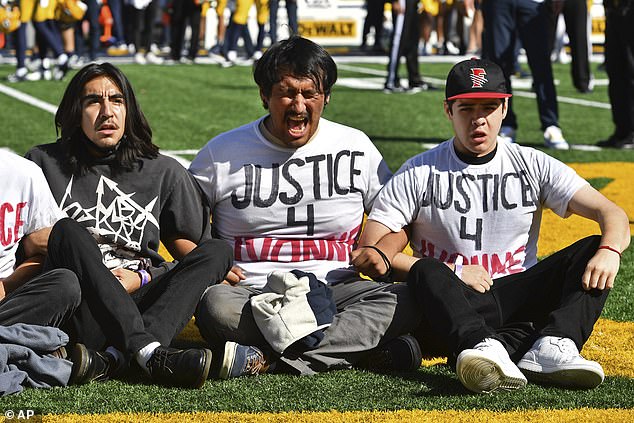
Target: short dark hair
<point>297,56</point>
<point>137,138</point>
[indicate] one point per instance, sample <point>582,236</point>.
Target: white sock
<point>144,354</point>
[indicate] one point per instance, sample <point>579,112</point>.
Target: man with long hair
<point>124,198</point>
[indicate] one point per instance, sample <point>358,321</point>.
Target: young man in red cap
<point>473,206</point>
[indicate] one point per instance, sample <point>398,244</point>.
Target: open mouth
<point>296,125</point>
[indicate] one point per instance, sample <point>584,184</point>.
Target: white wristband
<point>458,267</point>
<point>458,270</point>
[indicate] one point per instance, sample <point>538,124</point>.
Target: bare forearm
<point>179,248</point>
<point>401,264</point>
<point>392,244</point>
<point>615,228</point>
<point>36,243</point>
<point>23,273</point>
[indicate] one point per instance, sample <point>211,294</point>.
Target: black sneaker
<point>182,368</point>
<point>242,360</point>
<point>626,142</point>
<point>400,354</point>
<point>89,365</point>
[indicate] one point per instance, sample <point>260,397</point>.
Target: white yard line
<point>441,82</point>
<point>28,99</point>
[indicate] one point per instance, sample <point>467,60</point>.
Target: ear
<point>327,100</point>
<point>265,100</point>
<point>505,107</point>
<point>447,110</point>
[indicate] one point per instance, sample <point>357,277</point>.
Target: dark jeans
<point>143,25</point>
<point>108,315</point>
<point>291,12</point>
<point>48,299</point>
<point>184,12</point>
<point>545,300</point>
<point>504,20</point>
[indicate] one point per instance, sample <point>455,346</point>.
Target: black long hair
<point>136,141</point>
<point>299,57</point>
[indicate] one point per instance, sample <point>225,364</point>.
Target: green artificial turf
<point>434,388</point>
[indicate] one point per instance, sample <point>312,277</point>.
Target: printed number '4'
<point>309,222</point>
<point>475,237</point>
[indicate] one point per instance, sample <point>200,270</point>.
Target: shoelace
<point>159,359</point>
<point>255,363</point>
<point>567,347</point>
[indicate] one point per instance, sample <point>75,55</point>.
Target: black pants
<point>619,65</point>
<point>545,300</point>
<point>404,43</point>
<point>184,12</point>
<point>108,315</point>
<point>48,299</point>
<point>576,18</point>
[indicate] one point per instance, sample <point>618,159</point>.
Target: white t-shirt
<point>26,205</point>
<point>489,214</point>
<point>285,209</point>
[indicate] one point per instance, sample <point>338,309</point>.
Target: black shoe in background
<point>626,143</point>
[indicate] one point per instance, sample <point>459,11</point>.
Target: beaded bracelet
<point>386,277</point>
<point>145,276</point>
<point>607,247</point>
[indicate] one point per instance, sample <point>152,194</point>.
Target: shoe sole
<point>227,360</point>
<point>480,374</point>
<point>580,377</point>
<point>80,364</point>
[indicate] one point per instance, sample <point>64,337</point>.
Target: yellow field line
<point>582,415</point>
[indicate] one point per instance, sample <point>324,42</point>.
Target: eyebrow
<point>97,96</point>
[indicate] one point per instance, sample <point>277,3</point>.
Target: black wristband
<point>386,277</point>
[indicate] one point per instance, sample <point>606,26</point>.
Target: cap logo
<point>478,77</point>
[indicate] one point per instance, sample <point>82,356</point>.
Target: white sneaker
<point>553,138</point>
<point>139,59</point>
<point>153,59</point>
<point>487,368</point>
<point>507,133</point>
<point>557,361</point>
